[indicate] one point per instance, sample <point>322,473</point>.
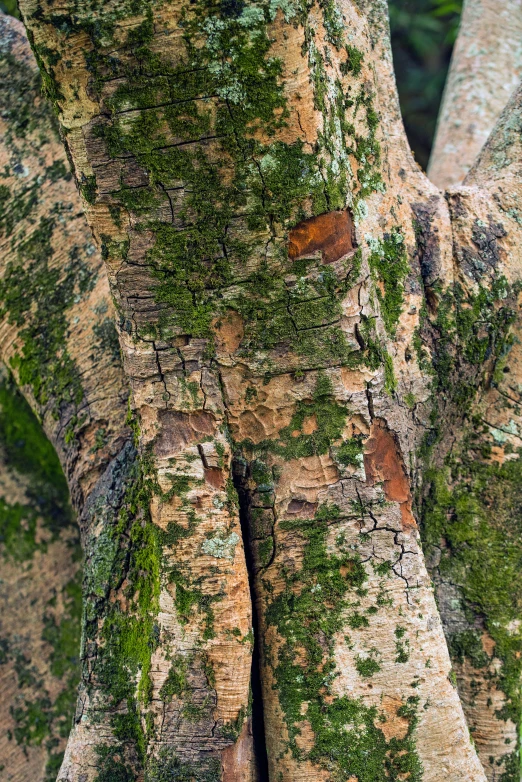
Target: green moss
<point>307,615</point>
<point>28,452</point>
<point>390,381</point>
<point>410,400</point>
<point>351,452</point>
<point>329,419</point>
<point>482,556</point>
<point>126,556</point>
<point>366,666</point>
<point>176,681</point>
<point>111,766</point>
<point>269,184</point>
<point>356,621</point>
<point>470,506</point>
<point>167,767</point>
<point>388,262</point>
<point>353,62</point>
<point>472,331</point>
<point>35,297</point>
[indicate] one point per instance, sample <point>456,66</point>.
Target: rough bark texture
<point>210,183</point>
<point>316,342</point>
<point>58,337</point>
<point>473,508</point>
<point>486,67</point>
<point>198,647</point>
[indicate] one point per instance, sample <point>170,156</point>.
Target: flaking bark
<point>305,388</point>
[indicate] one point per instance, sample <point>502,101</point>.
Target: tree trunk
<point>316,342</point>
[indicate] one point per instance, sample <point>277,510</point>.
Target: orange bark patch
<point>229,331</point>
<point>238,757</point>
<point>488,644</point>
<point>383,462</point>
<point>214,476</point>
<point>331,233</point>
<point>394,727</point>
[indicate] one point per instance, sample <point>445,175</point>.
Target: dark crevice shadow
<point>258,720</point>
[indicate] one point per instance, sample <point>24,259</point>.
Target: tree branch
<point>485,69</point>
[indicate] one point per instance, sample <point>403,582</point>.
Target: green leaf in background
<point>9,7</point>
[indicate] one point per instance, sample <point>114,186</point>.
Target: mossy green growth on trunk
<point>34,294</point>
<point>206,129</point>
<point>470,504</point>
<point>388,262</point>
<point>45,702</point>
<point>472,516</point>
<point>307,614</point>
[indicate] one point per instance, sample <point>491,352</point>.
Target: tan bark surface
<point>371,535</point>
<point>58,336</point>
<point>316,342</point>
<point>486,67</point>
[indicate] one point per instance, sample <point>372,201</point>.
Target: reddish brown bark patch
<point>332,233</point>
<point>301,509</point>
<point>393,726</point>
<point>181,429</point>
<point>229,331</point>
<point>214,477</point>
<point>237,760</point>
<point>383,462</point>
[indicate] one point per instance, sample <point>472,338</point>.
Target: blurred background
<point>423,33</point>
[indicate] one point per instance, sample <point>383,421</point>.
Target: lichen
<point>468,504</point>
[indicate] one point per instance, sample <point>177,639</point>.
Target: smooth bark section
<point>486,67</point>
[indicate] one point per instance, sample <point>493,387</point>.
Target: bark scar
<point>331,233</point>
<point>383,462</point>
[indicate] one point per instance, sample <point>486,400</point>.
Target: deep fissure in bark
<point>239,468</point>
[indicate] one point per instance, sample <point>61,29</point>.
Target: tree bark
<point>59,338</point>
<point>40,597</point>
<point>315,340</point>
<point>486,66</point>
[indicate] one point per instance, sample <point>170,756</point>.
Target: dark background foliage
<point>423,33</point>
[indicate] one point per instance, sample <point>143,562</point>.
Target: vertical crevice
<point>239,475</point>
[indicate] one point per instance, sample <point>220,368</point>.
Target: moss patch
<point>307,614</point>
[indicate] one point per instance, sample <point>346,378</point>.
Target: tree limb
<point>486,67</point>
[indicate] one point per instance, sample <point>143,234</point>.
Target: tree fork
<point>292,291</point>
